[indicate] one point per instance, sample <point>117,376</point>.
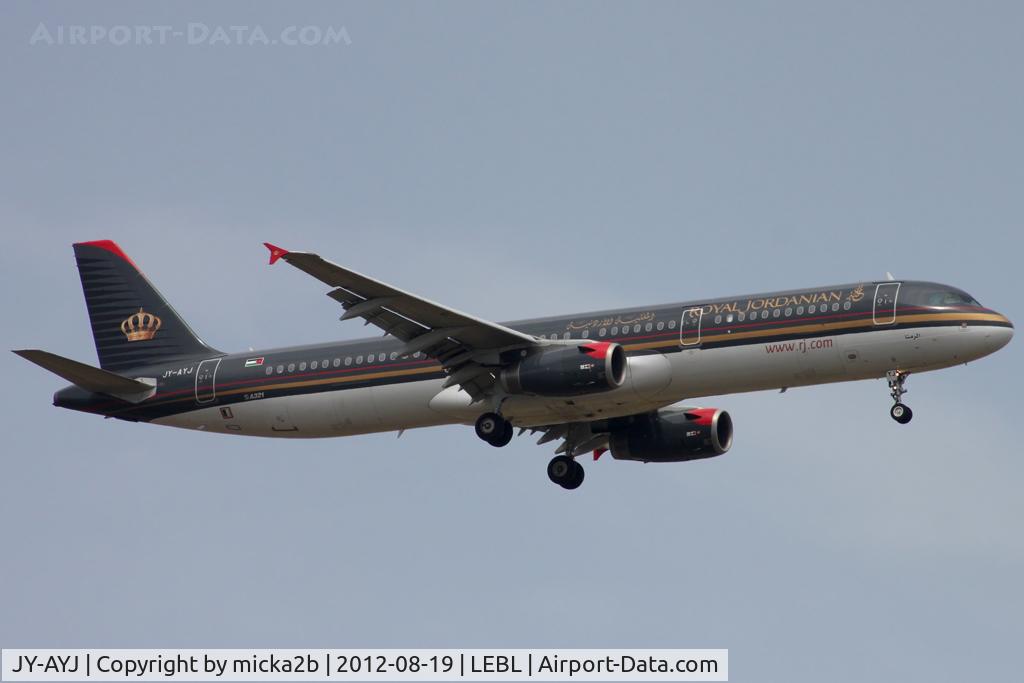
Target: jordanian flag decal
<point>254,362</point>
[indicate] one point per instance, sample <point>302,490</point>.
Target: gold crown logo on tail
<point>140,326</point>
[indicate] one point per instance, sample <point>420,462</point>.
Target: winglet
<point>275,252</point>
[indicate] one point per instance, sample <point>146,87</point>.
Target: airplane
<point>597,382</point>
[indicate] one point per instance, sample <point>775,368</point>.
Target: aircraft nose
<point>998,337</point>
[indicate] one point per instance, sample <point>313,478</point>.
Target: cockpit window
<point>951,298</point>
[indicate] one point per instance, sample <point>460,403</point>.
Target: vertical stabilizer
<point>132,323</point>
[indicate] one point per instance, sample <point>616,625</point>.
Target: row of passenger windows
<point>625,329</point>
<point>327,363</point>
<point>741,316</point>
<point>779,312</point>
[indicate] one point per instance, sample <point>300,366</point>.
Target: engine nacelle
<point>673,435</point>
<point>570,370</point>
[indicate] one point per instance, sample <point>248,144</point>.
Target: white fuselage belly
<point>653,381</point>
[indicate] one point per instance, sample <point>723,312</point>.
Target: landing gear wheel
<point>504,437</point>
<point>901,413</point>
<point>490,426</point>
<point>565,472</point>
<point>577,476</point>
<point>898,412</point>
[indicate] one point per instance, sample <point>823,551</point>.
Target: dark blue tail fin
<point>132,324</point>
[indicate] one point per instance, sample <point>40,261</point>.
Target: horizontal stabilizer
<point>90,378</point>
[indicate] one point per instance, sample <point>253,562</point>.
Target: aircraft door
<point>206,375</point>
<point>689,326</point>
<point>885,303</point>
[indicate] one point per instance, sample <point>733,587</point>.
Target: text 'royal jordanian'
<point>594,382</point>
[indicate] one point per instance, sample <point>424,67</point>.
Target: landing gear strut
<point>898,412</point>
<point>565,472</point>
<point>494,429</point>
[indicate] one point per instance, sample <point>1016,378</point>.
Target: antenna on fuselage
<point>889,277</point>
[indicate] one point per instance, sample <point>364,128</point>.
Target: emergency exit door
<point>689,327</point>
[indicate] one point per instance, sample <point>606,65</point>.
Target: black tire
<point>560,469</point>
<point>505,437</point>
<point>490,426</point>
<point>901,413</point>
<point>576,479</point>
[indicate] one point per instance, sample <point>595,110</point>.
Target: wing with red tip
<point>462,343</point>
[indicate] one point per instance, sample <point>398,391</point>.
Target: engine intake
<point>570,370</point>
<point>673,435</point>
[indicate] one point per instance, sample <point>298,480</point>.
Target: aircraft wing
<point>469,348</point>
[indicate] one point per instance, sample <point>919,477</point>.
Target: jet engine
<point>569,370</point>
<point>672,435</point>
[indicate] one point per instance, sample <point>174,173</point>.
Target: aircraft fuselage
<point>676,351</point>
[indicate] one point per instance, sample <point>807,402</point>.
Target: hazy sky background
<point>516,161</point>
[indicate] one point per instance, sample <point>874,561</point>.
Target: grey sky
<point>513,161</point>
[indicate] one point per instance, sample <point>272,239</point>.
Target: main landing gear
<point>494,429</point>
<point>497,431</point>
<point>565,472</point>
<point>898,412</point>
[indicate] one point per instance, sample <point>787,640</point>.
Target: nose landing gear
<point>899,412</point>
<point>565,472</point>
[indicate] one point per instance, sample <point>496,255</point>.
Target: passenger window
<point>337,362</point>
<point>776,313</point>
<point>799,310</point>
<point>672,324</point>
<point>270,369</point>
<point>585,334</point>
<point>649,327</point>
<point>812,308</point>
<point>789,312</point>
<point>324,363</point>
<point>313,365</point>
<point>846,305</point>
<point>566,335</point>
<point>603,332</point>
<point>348,360</point>
<point>291,367</point>
<point>302,366</point>
<point>359,360</point>
<point>636,328</point>
<point>280,369</point>
<point>718,320</point>
<point>728,318</point>
<point>661,325</point>
<point>394,355</point>
<point>741,316</point>
<point>615,330</point>
<point>835,306</point>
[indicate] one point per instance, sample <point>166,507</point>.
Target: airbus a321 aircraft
<point>605,381</point>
